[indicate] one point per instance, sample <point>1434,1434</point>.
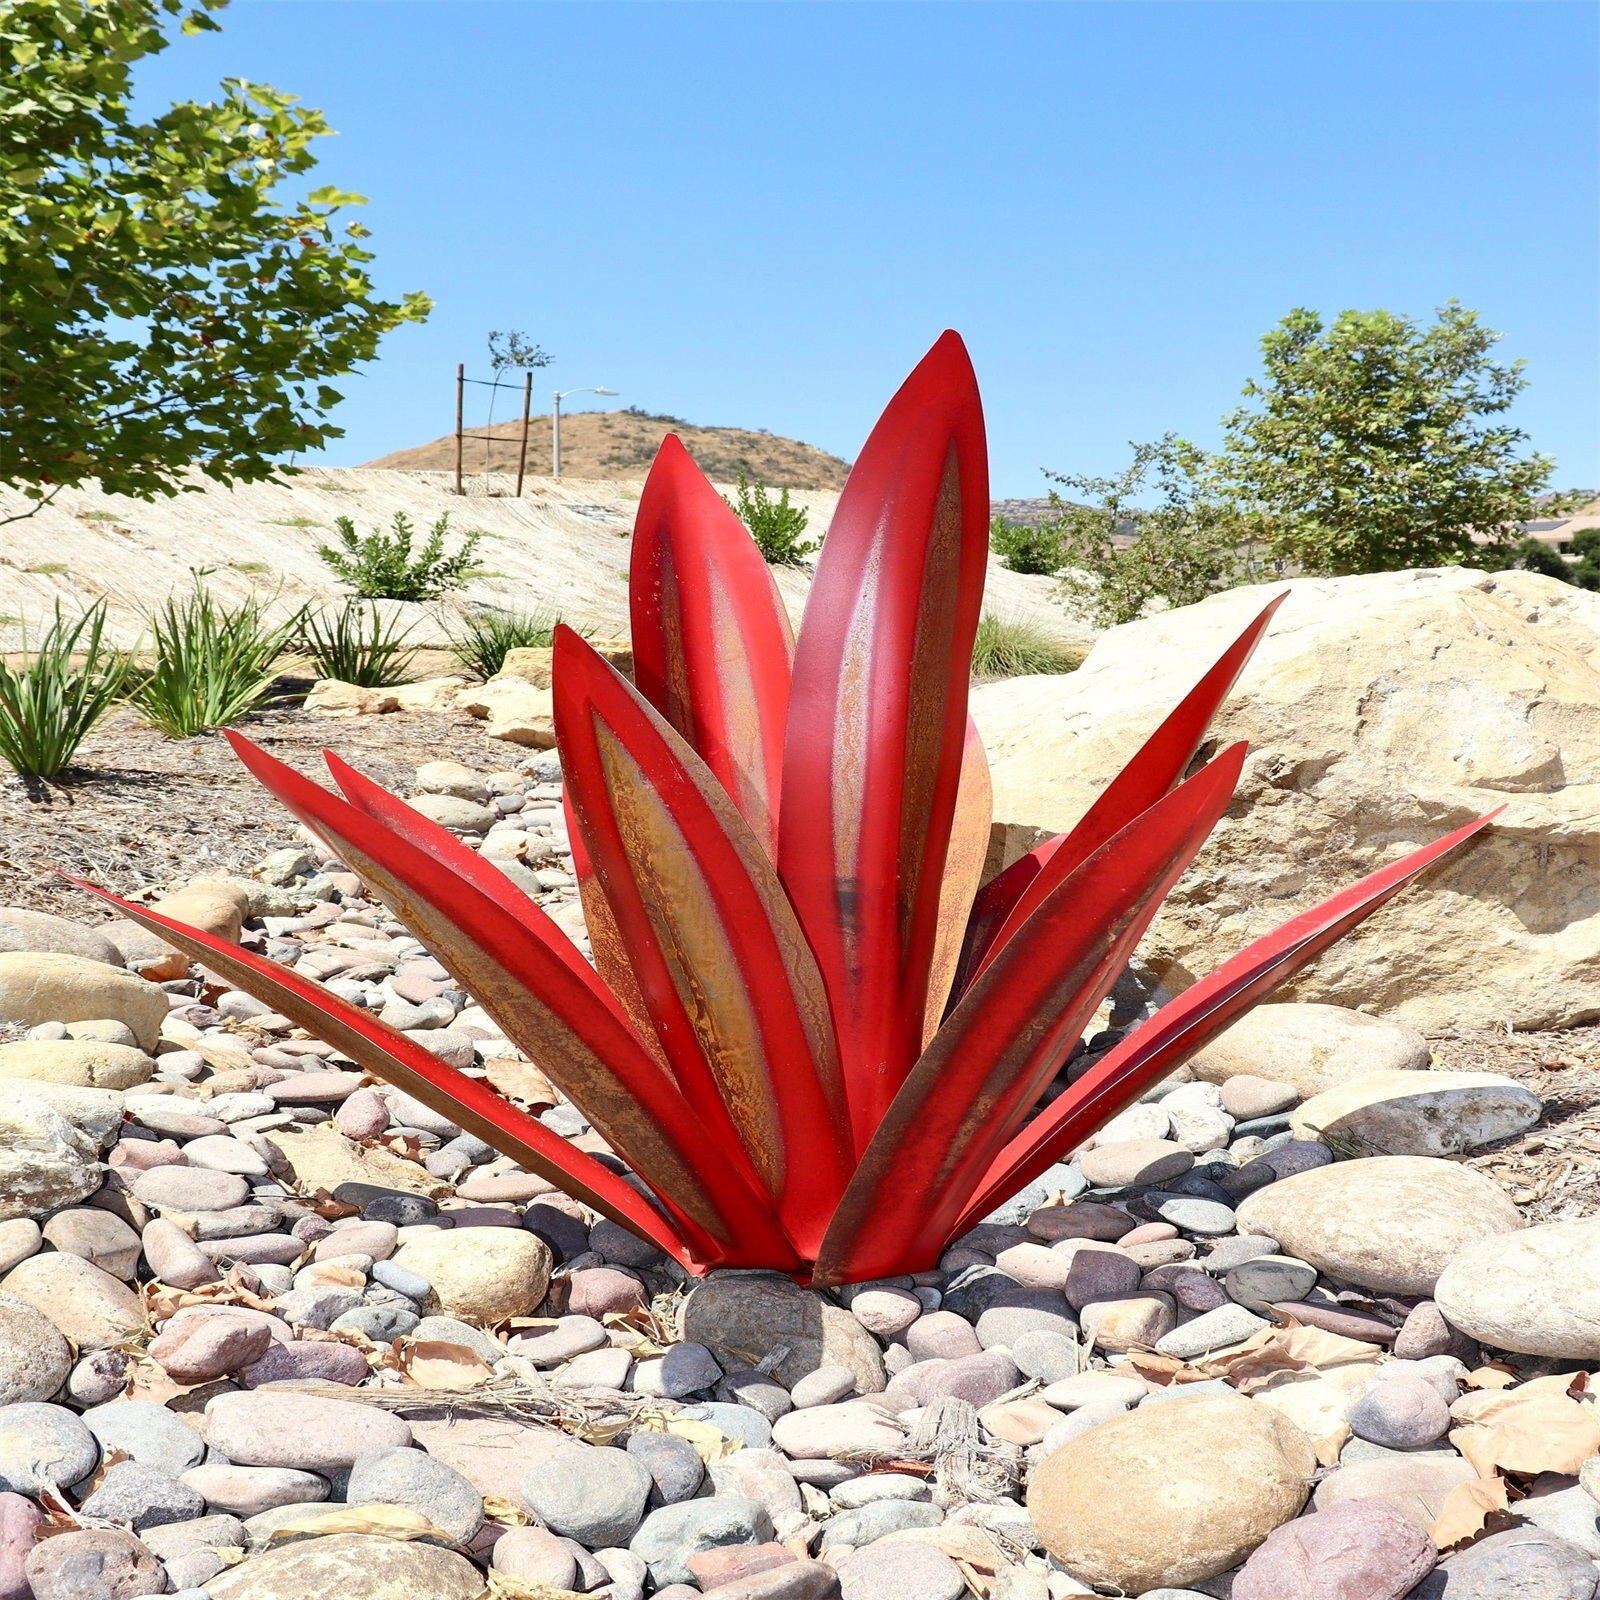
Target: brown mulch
<point>1553,1170</point>
<point>138,811</point>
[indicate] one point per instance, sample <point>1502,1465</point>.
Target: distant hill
<point>622,444</point>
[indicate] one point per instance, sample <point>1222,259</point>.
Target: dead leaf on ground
<point>521,1081</point>
<point>1467,1510</point>
<point>1528,1430</point>
<point>437,1364</point>
<point>388,1522</point>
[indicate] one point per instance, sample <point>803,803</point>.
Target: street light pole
<point>556,397</point>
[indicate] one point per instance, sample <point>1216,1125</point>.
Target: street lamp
<point>557,396</point>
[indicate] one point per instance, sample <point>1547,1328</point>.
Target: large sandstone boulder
<point>45,1161</point>
<point>514,710</point>
<point>1310,1047</point>
<point>1139,1502</point>
<point>22,929</point>
<point>1389,1223</point>
<point>39,987</point>
<point>79,1063</point>
<point>1417,1113</point>
<point>1381,711</point>
<point>350,1566</point>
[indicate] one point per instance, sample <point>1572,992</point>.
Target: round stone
<point>1308,1046</point>
<point>1519,1564</point>
<point>47,987</point>
<point>93,1562</point>
<point>350,1566</point>
<point>45,1162</point>
<point>1403,1413</point>
<point>900,1572</point>
<point>92,1308</point>
<point>1537,1292</point>
<point>490,1274</point>
<point>1265,1280</point>
<point>854,1428</point>
<point>140,1496</point>
<point>592,1493</point>
<point>34,1358</point>
<point>147,1432</point>
<point>671,1534</point>
<point>250,1491</point>
<point>410,1478</point>
<point>1138,1502</point>
<point>280,1428</point>
<point>43,1447</point>
<point>85,1063</point>
<point>1389,1223</point>
<point>1131,1161</point>
<point>1358,1551</point>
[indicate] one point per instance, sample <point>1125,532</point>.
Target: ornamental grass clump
<point>819,1040</point>
<point>51,699</point>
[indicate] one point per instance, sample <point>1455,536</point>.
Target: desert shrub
<point>485,636</point>
<point>64,685</point>
<point>385,565</point>
<point>356,643</point>
<point>1037,549</point>
<point>209,665</point>
<point>777,526</point>
<point>1016,647</point>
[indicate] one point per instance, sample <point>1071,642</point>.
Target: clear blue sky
<point>761,213</point>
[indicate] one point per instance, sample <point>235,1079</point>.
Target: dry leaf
<point>712,1444</point>
<point>502,1586</point>
<point>1466,1509</point>
<point>521,1081</point>
<point>1528,1430</point>
<point>1492,1375</point>
<point>389,1522</point>
<point>436,1364</point>
<point>505,1512</point>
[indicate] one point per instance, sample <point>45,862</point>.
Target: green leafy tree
<point>162,304</point>
<point>777,526</point>
<point>1119,554</point>
<point>385,565</point>
<point>1377,443</point>
<point>509,351</point>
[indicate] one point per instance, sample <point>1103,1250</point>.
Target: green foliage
<point>163,304</point>
<point>66,683</point>
<point>776,526</point>
<point>382,566</point>
<point>1015,647</point>
<point>1375,443</point>
<point>356,643</point>
<point>1189,544</point>
<point>1534,555</point>
<point>487,636</point>
<point>1038,549</point>
<point>1585,544</point>
<point>210,666</point>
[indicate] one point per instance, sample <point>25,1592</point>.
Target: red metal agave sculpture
<point>811,1034</point>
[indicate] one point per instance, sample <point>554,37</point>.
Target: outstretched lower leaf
<point>722,967</point>
<point>712,644</point>
<point>1201,1012</point>
<point>468,1102</point>
<point>877,719</point>
<point>1006,1040</point>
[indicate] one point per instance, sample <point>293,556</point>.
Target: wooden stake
<point>461,389</point>
<point>522,455</point>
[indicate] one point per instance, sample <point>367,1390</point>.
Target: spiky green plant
<point>64,685</point>
<point>356,643</point>
<point>209,665</point>
<point>1017,647</point>
<point>487,635</point>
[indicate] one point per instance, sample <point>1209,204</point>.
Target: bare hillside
<point>622,444</point>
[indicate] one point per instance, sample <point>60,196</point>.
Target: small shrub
<point>1039,550</point>
<point>357,644</point>
<point>68,681</point>
<point>486,637</point>
<point>384,565</point>
<point>1015,647</point>
<point>210,665</point>
<point>776,526</point>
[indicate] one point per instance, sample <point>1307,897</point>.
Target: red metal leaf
<point>1006,1040</point>
<point>1008,900</point>
<point>558,1013</point>
<point>468,1102</point>
<point>725,974</point>
<point>1186,1023</point>
<point>963,872</point>
<point>877,718</point>
<point>712,644</point>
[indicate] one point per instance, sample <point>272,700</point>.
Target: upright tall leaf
<point>736,998</point>
<point>711,641</point>
<point>877,718</point>
<point>963,872</point>
<point>994,1057</point>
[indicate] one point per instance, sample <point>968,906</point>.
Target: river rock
<point>24,930</point>
<point>1390,1223</point>
<point>57,988</point>
<point>410,1478</point>
<point>34,1358</point>
<point>147,1432</point>
<point>1310,1047</point>
<point>20,1520</point>
<point>1138,1501</point>
<point>671,1534</point>
<point>831,1432</point>
<point>93,1309</point>
<point>1417,1113</point>
<point>97,1236</point>
<point>43,1446</point>
<point>350,1566</point>
<point>1358,1551</point>
<point>1519,1564</point>
<point>93,1564</point>
<point>595,1494</point>
<point>1537,1293</point>
<point>742,1317</point>
<point>250,1491</point>
<point>489,1274</point>
<point>1416,1486</point>
<point>279,1428</point>
<point>84,1063</point>
<point>45,1162</point>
